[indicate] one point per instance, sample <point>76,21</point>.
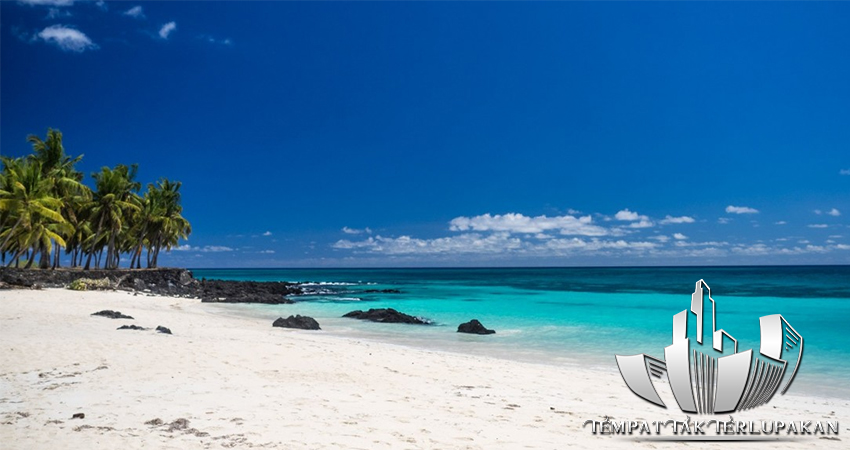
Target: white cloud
<point>57,13</point>
<point>66,38</point>
<point>267,233</point>
<point>136,12</point>
<point>167,29</point>
<point>348,230</point>
<point>670,219</point>
<point>723,220</point>
<point>818,212</point>
<point>48,2</point>
<point>267,252</point>
<point>818,225</point>
<point>519,223</point>
<point>741,210</point>
<point>494,243</point>
<point>204,249</point>
<point>679,236</point>
<point>844,172</point>
<point>639,221</point>
<point>712,244</point>
<point>627,215</point>
<point>660,238</point>
<point>461,244</point>
<point>643,223</point>
<point>834,212</point>
<point>781,222</point>
<point>213,40</point>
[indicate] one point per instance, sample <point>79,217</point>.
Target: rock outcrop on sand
<point>163,330</point>
<point>474,327</point>
<point>131,327</point>
<point>298,321</point>
<point>386,315</point>
<point>112,314</point>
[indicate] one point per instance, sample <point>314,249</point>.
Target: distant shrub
<point>86,284</point>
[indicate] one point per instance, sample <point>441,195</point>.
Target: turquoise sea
<point>578,316</point>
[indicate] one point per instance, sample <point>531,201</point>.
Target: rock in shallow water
<point>386,315</point>
<point>300,322</point>
<point>474,327</point>
<point>111,314</point>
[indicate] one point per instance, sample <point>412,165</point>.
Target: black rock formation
<point>163,330</point>
<point>112,314</point>
<point>226,291</point>
<point>473,327</point>
<point>131,327</point>
<point>386,315</point>
<point>300,322</point>
<point>382,291</point>
<point>165,281</point>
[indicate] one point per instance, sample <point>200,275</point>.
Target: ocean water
<point>578,316</point>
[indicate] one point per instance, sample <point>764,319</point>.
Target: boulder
<point>474,327</point>
<point>131,327</point>
<point>112,314</point>
<point>300,322</point>
<point>139,284</point>
<point>163,330</point>
<point>386,315</point>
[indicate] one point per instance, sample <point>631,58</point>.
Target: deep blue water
<point>579,315</point>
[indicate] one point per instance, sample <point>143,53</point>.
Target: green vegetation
<point>87,284</point>
<point>45,207</point>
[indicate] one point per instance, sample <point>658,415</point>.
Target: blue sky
<point>454,134</point>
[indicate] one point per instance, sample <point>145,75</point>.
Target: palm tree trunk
<point>11,232</point>
<point>110,251</point>
<point>94,242</point>
<point>16,259</point>
<point>31,259</point>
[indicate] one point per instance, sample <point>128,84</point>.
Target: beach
<point>225,380</point>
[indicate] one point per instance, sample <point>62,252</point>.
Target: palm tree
<point>170,225</point>
<point>27,203</point>
<point>67,182</point>
<point>113,202</point>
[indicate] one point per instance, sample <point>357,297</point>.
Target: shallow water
<point>579,315</point>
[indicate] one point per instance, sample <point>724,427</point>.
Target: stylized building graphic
<point>717,378</point>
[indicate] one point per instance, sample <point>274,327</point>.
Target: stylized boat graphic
<point>717,379</point>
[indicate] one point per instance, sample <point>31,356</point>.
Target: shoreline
<point>297,389</point>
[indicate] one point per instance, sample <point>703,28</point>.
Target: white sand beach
<point>239,383</point>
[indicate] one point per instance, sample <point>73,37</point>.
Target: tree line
<point>45,208</point>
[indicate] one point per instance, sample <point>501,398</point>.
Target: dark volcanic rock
<point>382,291</point>
<point>301,322</point>
<point>473,327</point>
<point>167,282</point>
<point>163,330</point>
<point>111,314</point>
<point>387,315</point>
<point>131,327</point>
<point>226,291</point>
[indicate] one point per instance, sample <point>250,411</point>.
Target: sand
<point>225,381</point>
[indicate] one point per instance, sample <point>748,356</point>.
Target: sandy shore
<point>239,383</point>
